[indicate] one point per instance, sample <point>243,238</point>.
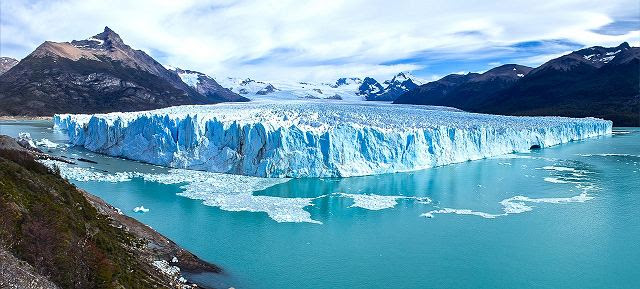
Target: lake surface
<point>560,217</point>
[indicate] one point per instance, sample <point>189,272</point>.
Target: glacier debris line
<point>316,139</point>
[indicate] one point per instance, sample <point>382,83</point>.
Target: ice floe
<point>236,192</point>
<point>431,214</point>
<point>513,205</point>
<point>520,204</point>
<point>609,155</point>
<point>47,143</point>
<point>82,174</point>
<point>140,209</point>
<point>379,202</point>
<point>24,139</point>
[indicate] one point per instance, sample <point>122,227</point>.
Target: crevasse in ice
<point>316,139</point>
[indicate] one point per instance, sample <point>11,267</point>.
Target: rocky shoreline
<point>134,253</point>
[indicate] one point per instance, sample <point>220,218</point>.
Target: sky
<point>324,40</point>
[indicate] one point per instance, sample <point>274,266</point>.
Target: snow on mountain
<point>399,84</point>
<point>346,88</point>
<point>596,56</point>
<point>190,78</point>
<point>347,81</point>
<point>205,84</point>
<point>369,86</point>
<point>343,89</point>
<point>98,74</point>
<point>316,138</point>
<point>602,57</point>
<point>7,63</point>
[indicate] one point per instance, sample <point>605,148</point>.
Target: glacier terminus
<point>316,138</point>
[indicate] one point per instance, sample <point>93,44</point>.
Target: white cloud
<point>306,40</point>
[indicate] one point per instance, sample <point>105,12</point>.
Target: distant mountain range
<point>351,88</point>
<point>596,81</point>
<point>95,75</point>
<point>103,74</point>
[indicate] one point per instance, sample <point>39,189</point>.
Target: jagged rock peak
<point>108,35</point>
<point>106,40</point>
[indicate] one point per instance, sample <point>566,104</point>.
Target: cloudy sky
<point>324,40</point>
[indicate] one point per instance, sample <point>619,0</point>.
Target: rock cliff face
<point>98,74</point>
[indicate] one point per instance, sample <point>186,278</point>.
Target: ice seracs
<point>316,139</point>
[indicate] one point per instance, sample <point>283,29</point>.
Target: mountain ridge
<point>595,81</point>
<point>95,75</point>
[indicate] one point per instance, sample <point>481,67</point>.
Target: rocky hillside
<point>98,74</point>
<point>70,238</point>
<point>465,91</point>
<point>596,81</point>
<point>7,63</point>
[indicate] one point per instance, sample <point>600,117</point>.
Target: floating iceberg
<point>513,205</point>
<point>380,202</point>
<point>45,142</point>
<point>140,209</point>
<point>316,139</point>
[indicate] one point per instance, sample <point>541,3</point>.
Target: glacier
<point>315,138</point>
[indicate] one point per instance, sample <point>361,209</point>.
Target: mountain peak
<point>624,45</point>
<point>504,72</point>
<point>109,36</point>
<point>107,40</point>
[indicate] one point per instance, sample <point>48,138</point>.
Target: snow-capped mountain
<point>206,85</point>
<point>399,84</point>
<point>369,86</point>
<point>98,74</point>
<point>595,81</point>
<point>343,89</point>
<point>347,81</point>
<point>244,86</point>
<point>596,56</point>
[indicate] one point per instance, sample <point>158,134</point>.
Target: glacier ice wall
<point>316,139</point>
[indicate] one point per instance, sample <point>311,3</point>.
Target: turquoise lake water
<point>580,226</point>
